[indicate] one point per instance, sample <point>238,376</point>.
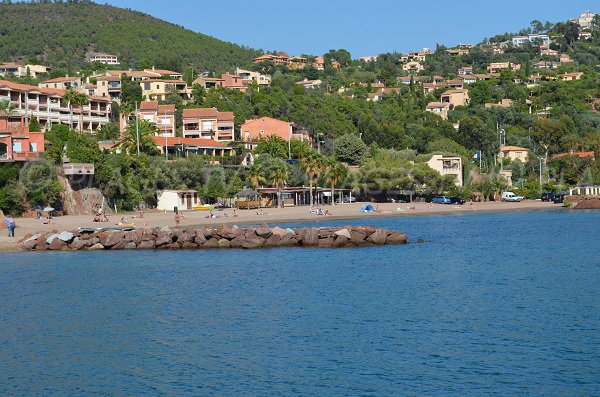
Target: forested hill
<point>59,34</point>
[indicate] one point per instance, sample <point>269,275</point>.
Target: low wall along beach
<point>199,237</point>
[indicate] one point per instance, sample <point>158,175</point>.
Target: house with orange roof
<point>591,155</point>
<point>309,84</point>
<point>208,123</point>
<point>159,73</point>
<point>412,67</point>
<point>457,97</point>
<point>16,142</point>
<point>233,82</point>
<point>254,130</point>
<point>513,153</point>
<point>496,67</point>
<point>297,62</point>
<point>278,59</point>
<point>249,76</point>
<point>109,87</point>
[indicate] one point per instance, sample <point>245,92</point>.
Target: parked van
<point>510,196</point>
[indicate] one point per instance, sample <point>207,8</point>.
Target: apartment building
<point>161,115</point>
<point>16,142</point>
<point>448,165</point>
<point>107,59</point>
<point>49,106</point>
<point>208,123</point>
<point>155,89</point>
<point>109,87</point>
<point>249,76</point>
<point>63,83</point>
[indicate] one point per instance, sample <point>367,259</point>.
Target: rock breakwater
<point>203,237</point>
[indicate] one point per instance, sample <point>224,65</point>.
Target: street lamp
<point>137,129</point>
<point>541,188</point>
<point>502,143</point>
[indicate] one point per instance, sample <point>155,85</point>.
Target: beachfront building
<point>184,147</point>
<point>448,165</point>
<point>169,200</point>
<point>254,130</point>
<point>16,142</point>
<point>208,123</point>
<point>49,106</point>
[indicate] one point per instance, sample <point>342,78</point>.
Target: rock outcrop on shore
<point>584,202</point>
<point>203,237</point>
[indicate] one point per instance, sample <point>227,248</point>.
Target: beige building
<point>49,106</point>
<point>208,123</point>
<point>412,67</point>
<point>513,153</point>
<point>439,108</point>
<point>249,76</point>
<point>459,97</point>
<point>107,59</point>
<point>448,165</point>
<point>160,89</point>
<point>23,70</point>
<point>63,83</point>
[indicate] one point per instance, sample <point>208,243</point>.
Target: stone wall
<point>201,237</point>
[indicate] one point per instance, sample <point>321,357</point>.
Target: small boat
<point>203,207</point>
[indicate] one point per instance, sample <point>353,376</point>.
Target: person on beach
<point>235,214</point>
<point>178,217</point>
<point>10,223</point>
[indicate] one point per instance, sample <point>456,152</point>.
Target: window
<point>206,125</point>
<point>33,147</point>
<point>17,147</point>
<point>518,155</point>
<point>146,86</point>
<point>165,121</point>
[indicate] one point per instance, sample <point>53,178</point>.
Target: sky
<point>367,27</point>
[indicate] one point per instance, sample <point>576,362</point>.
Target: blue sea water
<point>503,304</point>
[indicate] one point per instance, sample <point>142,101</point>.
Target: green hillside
<point>60,34</point>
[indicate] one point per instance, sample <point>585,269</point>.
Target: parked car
<point>457,200</point>
<point>441,200</point>
<point>510,196</point>
<point>548,196</point>
<point>559,198</point>
<point>348,199</point>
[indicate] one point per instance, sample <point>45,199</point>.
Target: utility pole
<point>502,142</point>
<point>541,188</point>
<point>137,129</point>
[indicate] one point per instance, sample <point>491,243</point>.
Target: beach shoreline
<point>340,212</point>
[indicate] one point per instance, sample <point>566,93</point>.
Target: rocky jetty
<point>203,237</point>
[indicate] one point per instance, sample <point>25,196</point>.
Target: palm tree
<point>278,175</point>
<point>7,109</point>
<point>273,146</point>
<point>256,176</point>
<point>147,130</point>
<point>336,172</point>
<point>76,98</point>
<point>313,165</point>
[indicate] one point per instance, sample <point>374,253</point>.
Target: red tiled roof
<point>60,79</point>
<point>512,148</point>
<point>149,105</point>
<point>225,116</point>
<point>200,112</point>
<point>168,109</point>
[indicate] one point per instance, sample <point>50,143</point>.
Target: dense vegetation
<point>60,34</point>
<point>390,139</point>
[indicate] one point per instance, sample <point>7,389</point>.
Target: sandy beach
<point>268,216</point>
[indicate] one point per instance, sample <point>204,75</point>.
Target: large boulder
<point>263,231</point>
<point>378,237</point>
<point>163,238</point>
<point>111,238</point>
<point>310,237</point>
<point>396,238</point>
<point>146,244</point>
<point>67,237</point>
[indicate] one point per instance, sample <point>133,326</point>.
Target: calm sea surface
<point>504,304</point>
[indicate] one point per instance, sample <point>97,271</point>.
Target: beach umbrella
<point>48,209</point>
<point>38,207</point>
<point>367,208</point>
